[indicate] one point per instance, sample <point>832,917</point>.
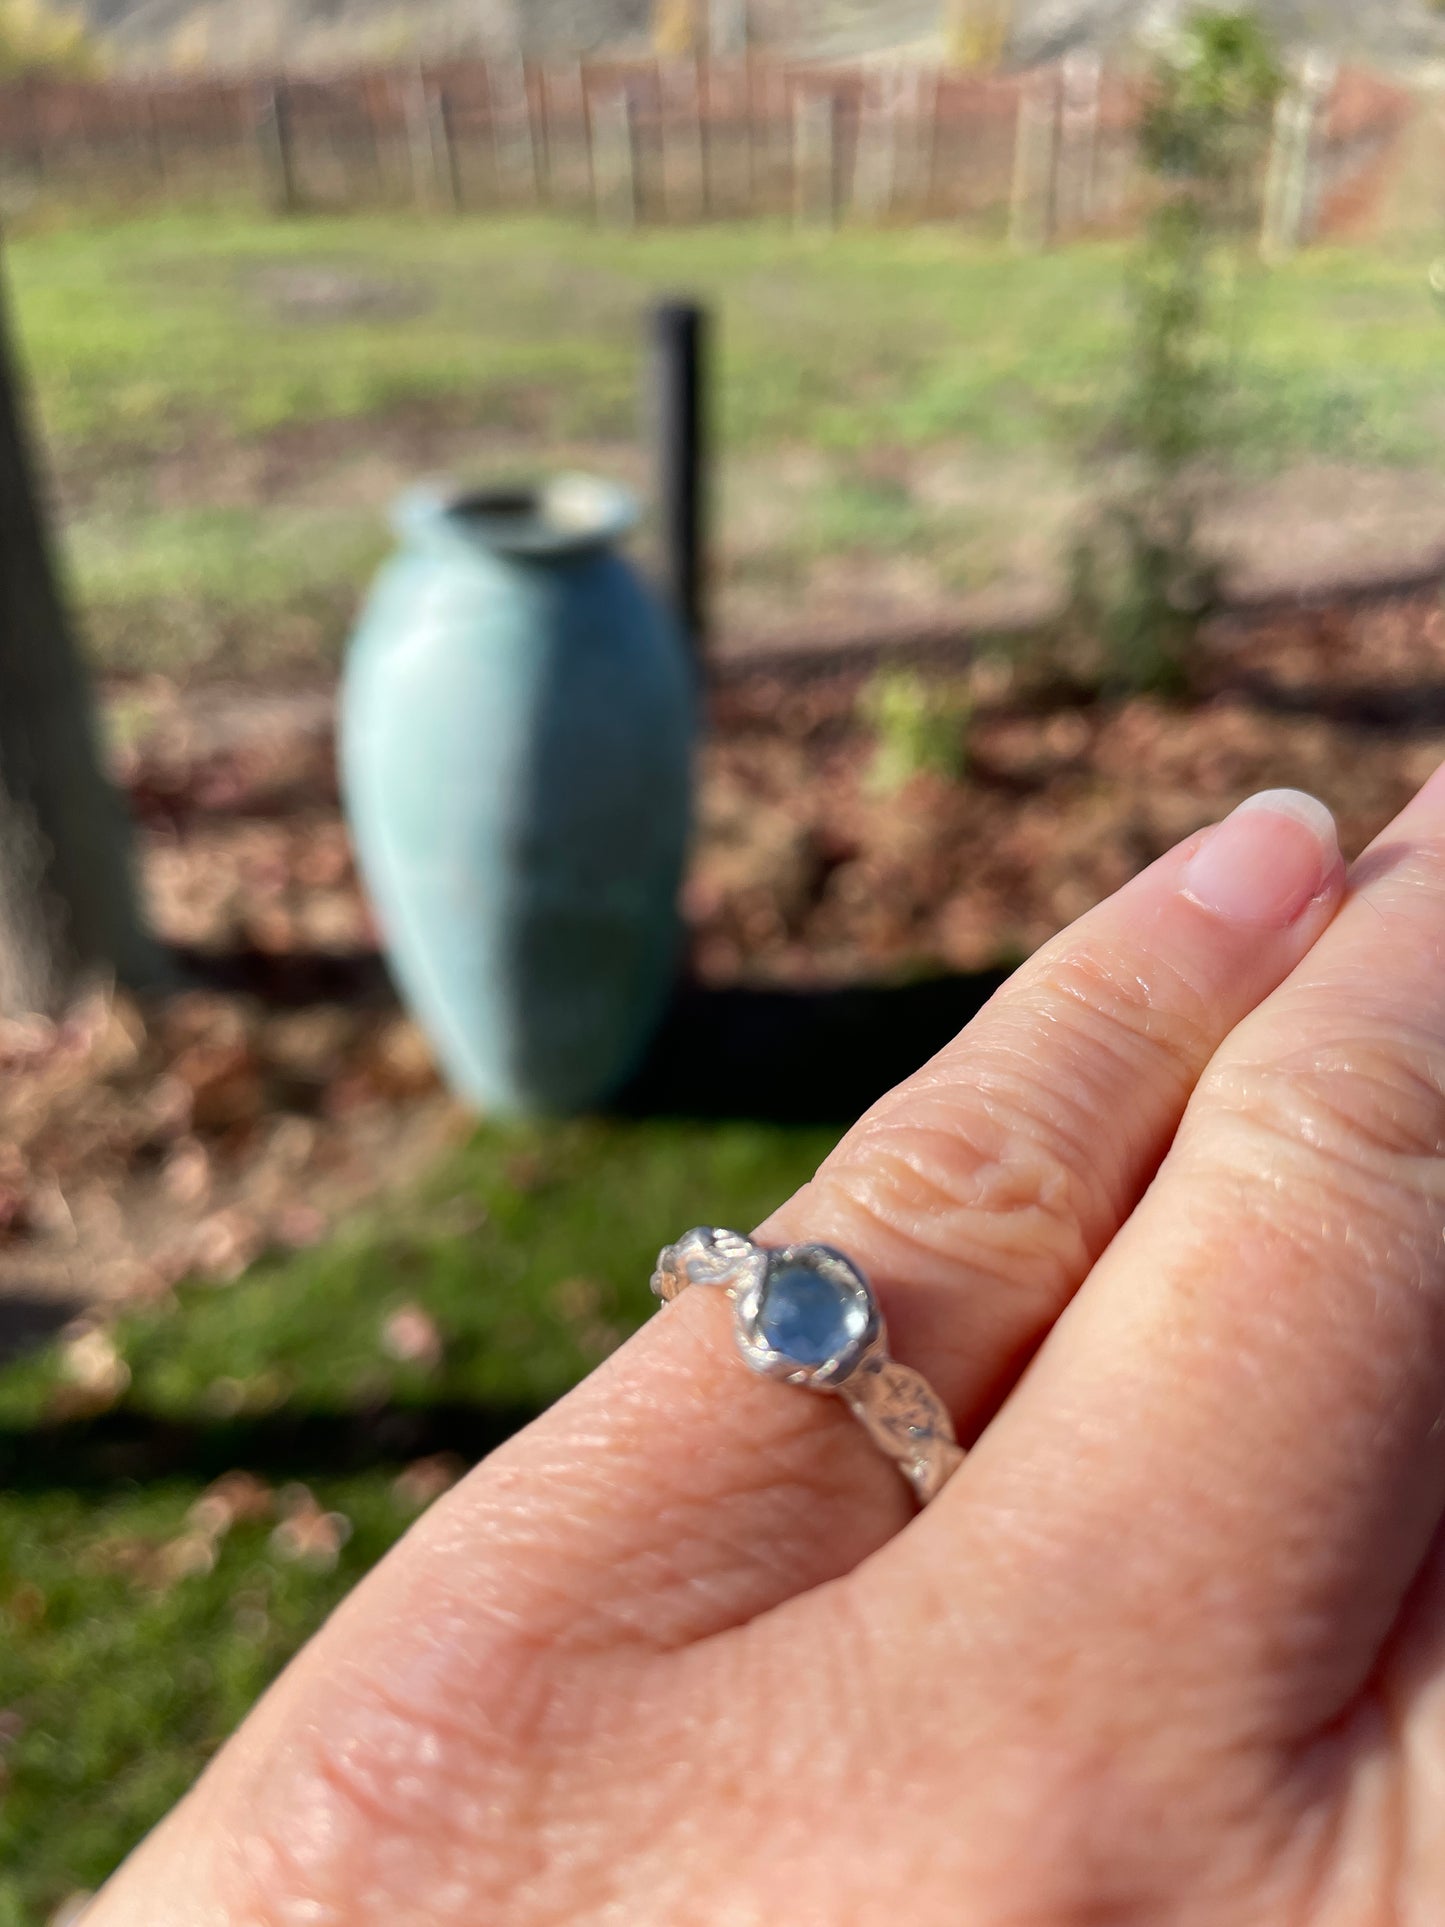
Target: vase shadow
<point>797,1056</point>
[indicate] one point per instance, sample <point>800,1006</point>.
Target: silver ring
<point>807,1314</point>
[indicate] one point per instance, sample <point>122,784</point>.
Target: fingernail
<point>1268,862</point>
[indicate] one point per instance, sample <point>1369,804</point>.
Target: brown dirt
<point>805,872</point>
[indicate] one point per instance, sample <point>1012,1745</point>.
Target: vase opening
<point>565,515</point>
<point>500,505</point>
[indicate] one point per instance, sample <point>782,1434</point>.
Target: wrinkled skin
<point>1166,1227</point>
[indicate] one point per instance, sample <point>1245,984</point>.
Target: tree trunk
<point>67,907</point>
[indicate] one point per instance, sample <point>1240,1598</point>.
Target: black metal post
<point>678,384</point>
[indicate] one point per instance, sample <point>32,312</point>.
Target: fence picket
<point>1036,168</point>
<point>1288,193</point>
<point>1078,140</point>
<point>614,158</point>
<point>275,146</point>
<point>815,157</point>
<point>875,172</point>
<point>514,147</point>
<point>684,161</point>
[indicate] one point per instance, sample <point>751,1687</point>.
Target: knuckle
<point>999,1146</point>
<point>1160,1021</point>
<point>1326,1154</point>
<point>1367,1099</point>
<point>1014,1164</point>
<point>962,1182</point>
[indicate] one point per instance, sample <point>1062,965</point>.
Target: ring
<point>807,1314</point>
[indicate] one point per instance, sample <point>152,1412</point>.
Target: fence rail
<point>1052,151</point>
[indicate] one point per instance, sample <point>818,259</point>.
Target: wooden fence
<point>1051,152</point>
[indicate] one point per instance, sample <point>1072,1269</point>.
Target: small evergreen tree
<point>1140,579</point>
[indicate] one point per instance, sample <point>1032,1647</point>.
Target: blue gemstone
<point>809,1318</point>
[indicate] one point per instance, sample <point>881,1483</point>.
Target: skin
<point>1166,1227</point>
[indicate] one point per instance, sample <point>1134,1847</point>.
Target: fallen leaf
<point>225,1083</point>
<point>192,1556</point>
<point>308,1536</point>
<point>418,1485</point>
<point>399,1060</point>
<point>91,1361</point>
<point>26,1041</point>
<point>26,1606</point>
<point>576,1298</point>
<point>236,1498</point>
<point>410,1335</point>
<point>186,1173</point>
<point>300,1226</point>
<point>226,1244</point>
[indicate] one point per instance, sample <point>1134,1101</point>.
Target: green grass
<point>126,1689</point>
<point>212,335</point>
<point>274,583</point>
<point>133,327</point>
<point>842,341</point>
<point>530,1251</point>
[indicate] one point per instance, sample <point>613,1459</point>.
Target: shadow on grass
<point>800,1057</point>
<point>125,1447</point>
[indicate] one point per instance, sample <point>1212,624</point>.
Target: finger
<point>1254,1378</point>
<point>675,1494</point>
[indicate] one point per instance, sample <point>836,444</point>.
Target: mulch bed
<point>249,1110</point>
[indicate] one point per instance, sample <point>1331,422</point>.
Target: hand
<point>1166,1227</point>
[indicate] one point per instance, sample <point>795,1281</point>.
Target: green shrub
<point>1140,581</point>
<point>920,728</point>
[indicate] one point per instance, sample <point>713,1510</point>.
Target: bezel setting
<point>839,1272</point>
<point>896,1406</point>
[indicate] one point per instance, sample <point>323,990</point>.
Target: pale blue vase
<point>516,733</point>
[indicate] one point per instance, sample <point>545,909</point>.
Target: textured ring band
<point>805,1313</point>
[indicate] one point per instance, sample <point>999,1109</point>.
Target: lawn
<point>131,1641</point>
<point>230,402</point>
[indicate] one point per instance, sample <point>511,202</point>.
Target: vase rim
<point>556,515</point>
